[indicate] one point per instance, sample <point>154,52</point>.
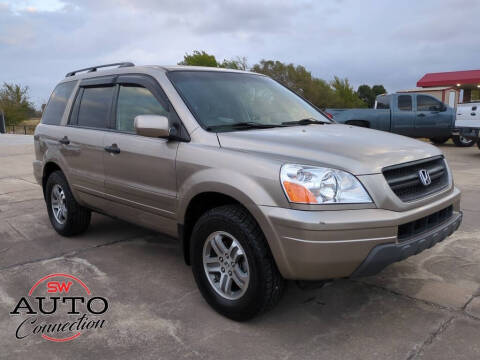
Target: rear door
<point>433,118</point>
<point>82,147</point>
<point>403,115</point>
<point>140,174</point>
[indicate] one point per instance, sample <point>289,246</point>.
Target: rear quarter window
<point>383,102</point>
<point>53,113</point>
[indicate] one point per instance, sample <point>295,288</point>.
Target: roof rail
<point>94,68</point>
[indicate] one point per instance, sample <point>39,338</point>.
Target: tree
<point>239,63</point>
<point>378,90</point>
<point>337,93</point>
<point>15,103</point>
<point>199,58</point>
<point>300,80</point>
<point>346,95</point>
<point>202,58</point>
<point>366,94</point>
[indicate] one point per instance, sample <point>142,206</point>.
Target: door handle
<point>64,141</point>
<point>113,149</point>
<point>421,115</point>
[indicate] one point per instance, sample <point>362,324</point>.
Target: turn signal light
<point>298,194</point>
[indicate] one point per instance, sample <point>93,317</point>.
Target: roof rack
<point>94,68</point>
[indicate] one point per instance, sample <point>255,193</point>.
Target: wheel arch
<point>48,169</point>
<point>200,202</point>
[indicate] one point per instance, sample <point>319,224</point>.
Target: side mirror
<point>152,126</point>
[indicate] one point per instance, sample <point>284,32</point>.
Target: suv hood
<point>354,149</point>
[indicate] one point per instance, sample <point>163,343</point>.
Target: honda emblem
<point>424,176</point>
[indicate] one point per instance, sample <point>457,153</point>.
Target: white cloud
<point>390,42</point>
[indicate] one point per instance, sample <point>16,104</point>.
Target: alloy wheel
<point>59,204</point>
<point>226,265</point>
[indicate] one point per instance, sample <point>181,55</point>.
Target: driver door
<point>433,118</point>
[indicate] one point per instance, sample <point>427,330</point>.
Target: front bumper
<point>386,254</point>
<point>315,245</point>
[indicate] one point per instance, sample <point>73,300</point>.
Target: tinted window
<point>133,101</point>
<point>405,102</point>
<point>95,106</point>
<point>383,102</point>
<point>427,103</point>
<point>58,101</point>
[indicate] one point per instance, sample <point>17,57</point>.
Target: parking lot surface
<point>427,307</point>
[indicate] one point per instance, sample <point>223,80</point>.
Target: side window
<point>405,102</point>
<point>58,102</point>
<point>383,102</point>
<point>95,106</point>
<point>133,101</point>
<point>427,103</point>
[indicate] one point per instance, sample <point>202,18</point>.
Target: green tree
<point>15,103</point>
<point>369,94</point>
<point>378,90</point>
<point>239,63</point>
<point>199,58</point>
<point>347,97</point>
<point>365,93</point>
<point>300,80</point>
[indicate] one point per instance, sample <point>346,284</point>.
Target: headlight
<point>317,185</point>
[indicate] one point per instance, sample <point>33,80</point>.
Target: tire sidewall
<point>53,179</point>
<point>232,308</point>
<point>458,141</point>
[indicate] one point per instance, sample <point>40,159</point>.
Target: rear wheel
<point>478,144</point>
<point>68,218</point>
<point>232,264</point>
<point>439,140</point>
<point>462,141</point>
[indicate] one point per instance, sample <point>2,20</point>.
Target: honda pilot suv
<point>257,184</point>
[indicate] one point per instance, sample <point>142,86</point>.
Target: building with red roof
<point>466,83</point>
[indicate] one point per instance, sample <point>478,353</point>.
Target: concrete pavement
<point>427,307</point>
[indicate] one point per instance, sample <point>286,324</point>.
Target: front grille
<point>416,227</point>
<point>404,179</point>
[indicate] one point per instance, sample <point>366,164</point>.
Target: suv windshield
<point>223,101</point>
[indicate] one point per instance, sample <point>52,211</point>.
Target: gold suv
<point>258,184</point>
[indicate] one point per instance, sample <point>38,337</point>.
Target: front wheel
<point>232,264</point>
<point>68,218</point>
<point>462,141</point>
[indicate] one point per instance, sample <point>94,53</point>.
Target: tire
<point>478,144</point>
<point>76,219</point>
<point>439,140</point>
<point>461,141</point>
<point>264,286</point>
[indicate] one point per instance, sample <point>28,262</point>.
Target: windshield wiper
<point>245,125</point>
<point>306,121</point>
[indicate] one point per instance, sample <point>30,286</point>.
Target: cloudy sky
<point>374,42</point>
